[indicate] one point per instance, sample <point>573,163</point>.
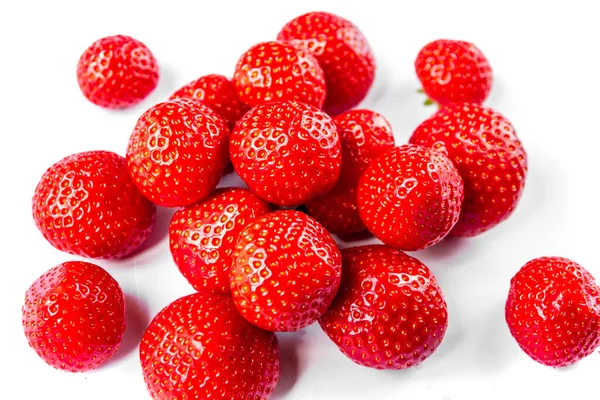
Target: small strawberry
<point>286,271</point>
<point>410,197</point>
<point>86,204</point>
<point>203,236</point>
<point>218,93</point>
<point>553,311</point>
<point>74,316</point>
<point>389,313</point>
<point>177,152</point>
<point>277,71</point>
<point>287,152</point>
<point>117,72</point>
<point>489,156</point>
<point>453,71</point>
<point>198,347</point>
<point>343,53</point>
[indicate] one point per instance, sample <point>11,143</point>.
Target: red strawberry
<point>198,347</point>
<point>343,53</point>
<point>277,71</point>
<point>364,135</point>
<point>410,197</point>
<point>286,152</point>
<point>177,152</point>
<point>453,71</point>
<point>203,236</point>
<point>389,313</point>
<point>218,93</point>
<point>489,156</point>
<point>117,72</point>
<point>286,271</point>
<point>74,316</point>
<point>553,311</point>
<point>86,204</point>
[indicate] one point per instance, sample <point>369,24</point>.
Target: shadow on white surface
<point>288,353</point>
<point>161,228</point>
<point>137,317</point>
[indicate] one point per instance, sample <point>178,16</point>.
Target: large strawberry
<point>203,236</point>
<point>286,271</point>
<point>198,347</point>
<point>389,313</point>
<point>453,71</point>
<point>86,204</point>
<point>286,152</point>
<point>117,72</point>
<point>177,152</point>
<point>343,53</point>
<point>410,197</point>
<point>74,316</point>
<point>483,145</point>
<point>553,311</point>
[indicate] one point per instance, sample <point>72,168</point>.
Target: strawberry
<point>410,197</point>
<point>343,53</point>
<point>203,236</point>
<point>553,311</point>
<point>177,152</point>
<point>286,271</point>
<point>286,152</point>
<point>453,71</point>
<point>198,347</point>
<point>489,156</point>
<point>74,316</point>
<point>277,71</point>
<point>216,92</point>
<point>117,72</point>
<point>389,313</point>
<point>364,134</point>
<point>87,205</point>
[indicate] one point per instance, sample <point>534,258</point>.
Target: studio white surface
<point>545,62</point>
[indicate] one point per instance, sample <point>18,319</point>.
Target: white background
<point>546,66</point>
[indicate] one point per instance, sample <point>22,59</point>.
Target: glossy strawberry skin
<point>553,311</point>
<point>287,152</point>
<point>74,316</point>
<point>278,71</point>
<point>117,72</point>
<point>198,347</point>
<point>216,92</point>
<point>203,236</point>
<point>177,152</point>
<point>454,71</point>
<point>286,271</point>
<point>489,156</point>
<point>389,313</point>
<point>87,205</point>
<point>410,197</point>
<point>342,52</point>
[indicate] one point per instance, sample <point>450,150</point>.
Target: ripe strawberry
<point>342,52</point>
<point>489,156</point>
<point>453,71</point>
<point>364,135</point>
<point>286,152</point>
<point>553,311</point>
<point>389,313</point>
<point>86,204</point>
<point>286,271</point>
<point>277,71</point>
<point>198,347</point>
<point>218,93</point>
<point>74,316</point>
<point>177,152</point>
<point>203,236</point>
<point>410,197</point>
<point>117,72</point>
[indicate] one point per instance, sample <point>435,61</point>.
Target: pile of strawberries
<point>263,259</point>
